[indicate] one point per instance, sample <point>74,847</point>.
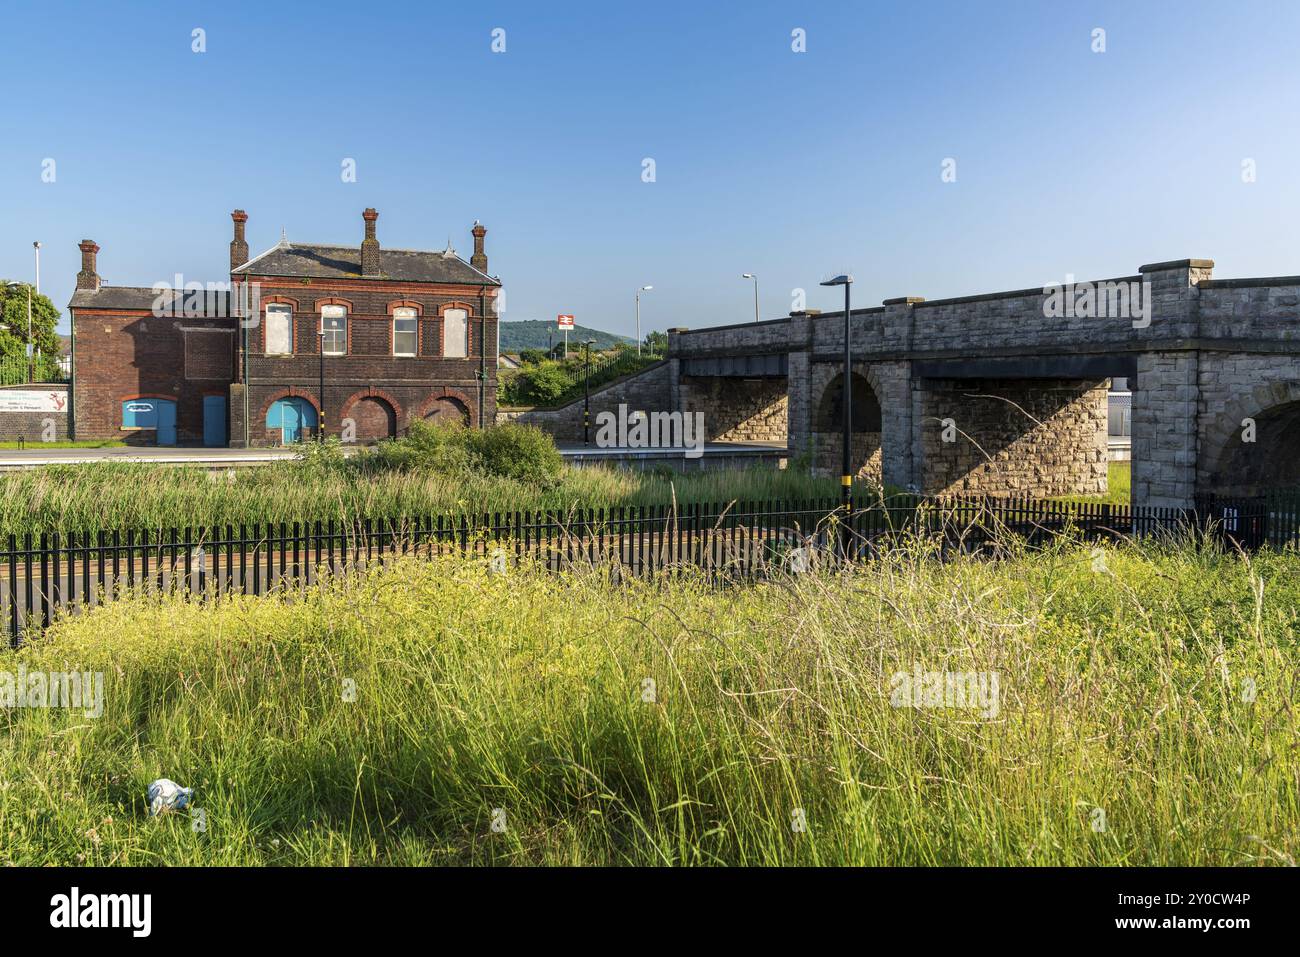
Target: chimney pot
<point>370,245</point>
<point>88,278</point>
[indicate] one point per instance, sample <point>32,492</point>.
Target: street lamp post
<point>750,275</point>
<point>31,360</point>
<point>320,429</point>
<point>586,397</point>
<point>638,316</point>
<point>31,346</point>
<point>846,475</point>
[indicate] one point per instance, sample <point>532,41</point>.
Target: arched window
<point>334,324</point>
<point>406,331</point>
<point>455,333</point>
<point>279,329</point>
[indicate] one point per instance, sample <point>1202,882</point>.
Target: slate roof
<point>304,260</point>
<point>138,297</point>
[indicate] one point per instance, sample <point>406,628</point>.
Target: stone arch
<point>373,413</point>
<point>445,409</point>
<point>445,404</point>
<point>828,430</point>
<point>293,391</point>
<point>1250,458</point>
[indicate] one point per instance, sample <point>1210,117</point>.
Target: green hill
<point>534,333</point>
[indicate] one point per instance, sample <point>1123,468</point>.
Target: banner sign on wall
<point>32,400</point>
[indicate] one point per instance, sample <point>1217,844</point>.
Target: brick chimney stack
<point>370,245</point>
<point>88,278</point>
<point>479,259</point>
<point>238,245</point>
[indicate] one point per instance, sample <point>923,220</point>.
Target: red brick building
<point>405,335</point>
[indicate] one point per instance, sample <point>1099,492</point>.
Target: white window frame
<point>407,314</point>
<point>464,345</point>
<point>334,312</point>
<point>279,308</point>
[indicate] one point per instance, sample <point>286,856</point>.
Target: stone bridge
<point>1005,393</point>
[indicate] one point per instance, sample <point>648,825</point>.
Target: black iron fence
<point>48,574</point>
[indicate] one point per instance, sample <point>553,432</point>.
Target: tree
<point>13,329</point>
<point>657,343</point>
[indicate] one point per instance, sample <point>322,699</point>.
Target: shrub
<point>536,385</point>
<point>532,357</point>
<point>521,452</point>
<point>426,447</point>
<point>513,451</point>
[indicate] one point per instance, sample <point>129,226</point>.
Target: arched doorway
<point>292,418</point>
<point>1261,454</point>
<point>373,419</point>
<point>446,411</point>
<point>828,428</point>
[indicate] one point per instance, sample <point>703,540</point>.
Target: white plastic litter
<point>165,796</point>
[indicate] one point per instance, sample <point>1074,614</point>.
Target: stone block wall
<point>1033,437</point>
<point>1248,435</point>
<point>737,410</point>
<point>1164,429</point>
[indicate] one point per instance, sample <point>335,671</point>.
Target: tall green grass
<point>1124,680</point>
<point>106,495</point>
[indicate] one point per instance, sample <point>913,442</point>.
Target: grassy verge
<point>133,495</point>
<point>1147,714</point>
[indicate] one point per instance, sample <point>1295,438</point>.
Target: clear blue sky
<point>790,165</point>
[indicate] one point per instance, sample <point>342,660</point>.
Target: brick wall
<point>122,354</point>
<point>370,385</point>
<point>36,427</point>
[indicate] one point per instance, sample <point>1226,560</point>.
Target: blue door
<point>291,416</point>
<point>166,423</point>
<point>214,420</point>
<point>151,413</point>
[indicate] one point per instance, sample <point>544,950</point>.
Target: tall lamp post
<point>750,275</point>
<point>320,426</point>
<point>638,316</point>
<point>586,397</point>
<point>846,474</point>
<point>31,346</point>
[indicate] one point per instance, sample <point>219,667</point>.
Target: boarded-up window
<point>455,333</point>
<point>279,330</point>
<point>209,354</point>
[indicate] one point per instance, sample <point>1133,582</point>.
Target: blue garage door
<point>291,416</point>
<point>151,413</point>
